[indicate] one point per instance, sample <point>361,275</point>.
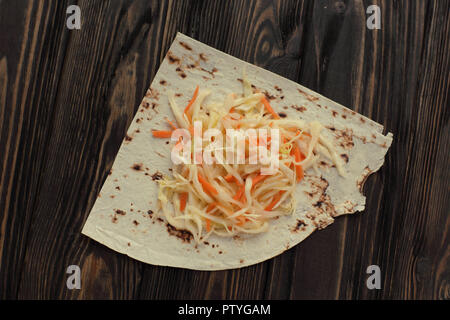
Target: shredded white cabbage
<point>228,199</point>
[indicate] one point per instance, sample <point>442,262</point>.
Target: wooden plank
<point>389,86</point>
<point>103,81</point>
<point>416,247</point>
<point>31,59</point>
<point>334,51</point>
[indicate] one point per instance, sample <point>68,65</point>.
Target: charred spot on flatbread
<point>128,138</point>
<point>299,108</point>
<point>152,94</point>
<point>269,96</point>
<point>181,72</point>
<point>307,96</point>
<point>345,138</point>
<point>344,157</point>
<point>185,45</point>
<point>301,224</point>
<point>137,167</point>
<point>366,173</point>
<point>183,235</point>
<point>120,212</point>
<point>157,176</point>
<point>172,58</point>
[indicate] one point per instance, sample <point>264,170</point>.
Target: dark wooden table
<point>68,96</point>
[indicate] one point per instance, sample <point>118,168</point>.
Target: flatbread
<point>125,217</point>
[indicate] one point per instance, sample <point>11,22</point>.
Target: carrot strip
<point>229,178</point>
<point>208,225</point>
<point>257,179</point>
<point>162,134</point>
<point>183,200</point>
<point>211,206</point>
<point>174,127</point>
<point>239,194</point>
<point>241,220</point>
<point>191,130</point>
<point>275,200</point>
<point>300,173</point>
<point>299,156</point>
<point>243,198</point>
<point>207,187</point>
<point>269,108</point>
<point>192,100</point>
<point>189,118</point>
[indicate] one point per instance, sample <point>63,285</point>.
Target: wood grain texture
<point>67,98</point>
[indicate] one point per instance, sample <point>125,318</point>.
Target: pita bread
<point>125,217</point>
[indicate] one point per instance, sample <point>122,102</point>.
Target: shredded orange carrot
<point>269,108</point>
<point>174,127</point>
<point>304,134</point>
<point>239,194</point>
<point>299,156</point>
<point>162,134</point>
<point>300,173</point>
<point>241,220</point>
<point>243,198</point>
<point>207,187</point>
<point>208,225</point>
<point>189,118</point>
<point>192,100</point>
<point>211,206</point>
<point>275,200</point>
<point>229,178</point>
<point>183,200</point>
<point>257,179</point>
